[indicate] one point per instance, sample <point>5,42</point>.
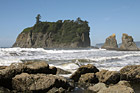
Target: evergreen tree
<point>38,19</point>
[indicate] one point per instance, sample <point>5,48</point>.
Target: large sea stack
<point>60,34</point>
<point>128,43</point>
<point>111,43</point>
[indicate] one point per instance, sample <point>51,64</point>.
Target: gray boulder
<point>38,83</point>
<point>36,67</point>
<point>83,70</point>
<point>121,87</point>
<point>9,72</point>
<point>97,87</point>
<point>14,69</point>
<point>88,78</point>
<point>108,77</point>
<point>128,43</point>
<point>130,73</point>
<point>110,43</point>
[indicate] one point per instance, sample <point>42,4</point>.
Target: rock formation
<point>131,73</point>
<point>108,77</point>
<point>60,34</point>
<point>121,87</point>
<point>39,77</point>
<point>110,43</point>
<point>39,83</point>
<point>128,43</point>
<point>83,70</point>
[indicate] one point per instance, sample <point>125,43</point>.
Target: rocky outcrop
<point>121,87</point>
<point>130,73</point>
<point>38,82</point>
<point>97,87</point>
<point>110,43</point>
<point>108,77</point>
<point>60,34</point>
<point>128,43</point>
<point>14,69</point>
<point>88,78</point>
<point>83,70</point>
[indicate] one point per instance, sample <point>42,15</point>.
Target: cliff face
<point>110,43</point>
<point>67,34</point>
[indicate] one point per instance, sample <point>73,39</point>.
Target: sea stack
<point>110,43</point>
<point>60,34</point>
<point>128,44</point>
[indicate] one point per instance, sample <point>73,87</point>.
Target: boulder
<point>118,88</point>
<point>97,87</point>
<point>131,73</point>
<point>9,72</point>
<point>57,90</point>
<point>110,43</point>
<point>108,77</point>
<point>2,67</point>
<point>14,69</point>
<point>37,67</point>
<point>88,78</point>
<point>128,43</point>
<point>38,82</point>
<point>82,70</point>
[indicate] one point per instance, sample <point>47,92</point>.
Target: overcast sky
<point>105,17</point>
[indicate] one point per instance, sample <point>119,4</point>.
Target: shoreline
<point>34,68</point>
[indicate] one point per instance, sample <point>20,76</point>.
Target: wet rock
<point>118,88</point>
<point>9,72</point>
<point>128,43</point>
<point>2,67</point>
<point>130,73</point>
<point>61,71</point>
<point>82,70</point>
<point>88,78</point>
<point>4,90</point>
<point>14,69</point>
<point>52,70</point>
<point>37,67</point>
<point>111,43</point>
<point>97,87</point>
<point>38,82</point>
<point>108,77</point>
<point>124,83</point>
<point>57,90</point>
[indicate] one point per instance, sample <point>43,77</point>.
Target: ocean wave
<point>112,57</point>
<point>71,59</point>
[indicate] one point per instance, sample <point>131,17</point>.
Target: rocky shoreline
<point>39,77</point>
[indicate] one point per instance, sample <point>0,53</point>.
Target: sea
<point>71,59</point>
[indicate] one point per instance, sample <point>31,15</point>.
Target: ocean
<point>71,59</point>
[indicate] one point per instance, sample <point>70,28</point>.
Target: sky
<point>105,17</point>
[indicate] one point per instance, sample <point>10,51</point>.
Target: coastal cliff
<point>60,34</point>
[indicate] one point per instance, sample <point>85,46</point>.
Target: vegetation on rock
<point>67,31</point>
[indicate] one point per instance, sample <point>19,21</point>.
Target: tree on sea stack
<point>38,19</point>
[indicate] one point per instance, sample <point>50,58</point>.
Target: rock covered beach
<point>39,77</point>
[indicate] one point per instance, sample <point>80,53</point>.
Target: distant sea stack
<point>110,43</point>
<point>60,34</point>
<point>128,43</point>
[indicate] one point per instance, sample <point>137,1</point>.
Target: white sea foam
<point>103,59</point>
